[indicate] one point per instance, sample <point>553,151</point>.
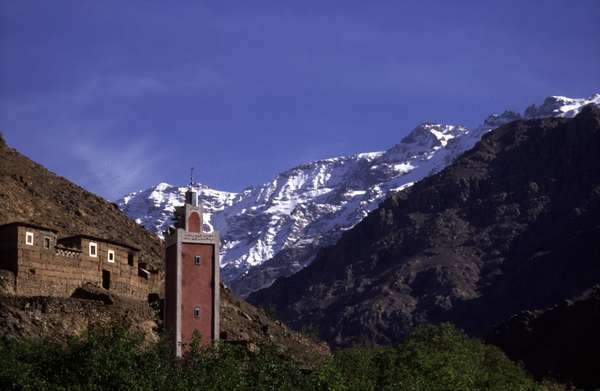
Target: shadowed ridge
<point>508,227</point>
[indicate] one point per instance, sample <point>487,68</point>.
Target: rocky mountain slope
<point>561,341</point>
<point>512,225</point>
<point>31,193</point>
<point>276,228</point>
<point>61,318</point>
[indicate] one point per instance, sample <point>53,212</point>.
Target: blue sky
<point>120,95</point>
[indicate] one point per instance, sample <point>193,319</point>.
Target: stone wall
<point>62,267</point>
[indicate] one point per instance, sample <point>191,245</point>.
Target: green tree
<point>116,358</point>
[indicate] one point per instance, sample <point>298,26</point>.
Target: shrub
<point>442,358</point>
<point>115,358</point>
<point>431,358</point>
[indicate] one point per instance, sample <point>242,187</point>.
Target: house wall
<point>124,279</point>
<point>39,272</point>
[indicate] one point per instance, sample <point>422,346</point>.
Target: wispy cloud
<point>129,86</point>
<point>104,155</point>
<point>110,86</point>
<point>111,169</point>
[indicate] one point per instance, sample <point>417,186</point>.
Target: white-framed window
<point>197,259</point>
<point>197,312</point>
<point>47,242</point>
<point>29,238</point>
<point>111,255</point>
<point>93,250</point>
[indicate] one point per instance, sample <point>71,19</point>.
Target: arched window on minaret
<point>194,222</point>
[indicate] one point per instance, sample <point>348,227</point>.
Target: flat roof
<point>26,224</point>
<point>111,241</point>
<point>85,236</point>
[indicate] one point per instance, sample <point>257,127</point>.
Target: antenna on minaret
<point>190,195</point>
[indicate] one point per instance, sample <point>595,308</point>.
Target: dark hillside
<point>560,341</point>
<point>512,225</point>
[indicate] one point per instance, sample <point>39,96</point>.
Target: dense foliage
<point>113,358</point>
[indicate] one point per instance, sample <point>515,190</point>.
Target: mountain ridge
<point>511,225</point>
<point>276,228</point>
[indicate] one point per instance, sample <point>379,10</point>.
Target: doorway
<point>105,279</point>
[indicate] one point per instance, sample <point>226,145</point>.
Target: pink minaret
<point>191,277</point>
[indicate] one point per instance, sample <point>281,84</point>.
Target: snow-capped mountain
<point>154,207</point>
<point>276,228</point>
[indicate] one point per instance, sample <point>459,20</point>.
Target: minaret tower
<point>191,277</point>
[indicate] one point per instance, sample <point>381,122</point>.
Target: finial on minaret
<point>190,195</point>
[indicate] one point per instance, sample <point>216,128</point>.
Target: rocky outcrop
<point>561,341</point>
<point>7,282</point>
<point>90,291</point>
<point>60,318</point>
<point>512,225</point>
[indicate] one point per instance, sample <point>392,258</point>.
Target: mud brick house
<point>45,265</point>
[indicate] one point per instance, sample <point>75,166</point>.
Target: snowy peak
<point>560,106</point>
<point>495,120</point>
<point>423,142</point>
<point>432,135</point>
<point>309,206</point>
<point>154,207</point>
